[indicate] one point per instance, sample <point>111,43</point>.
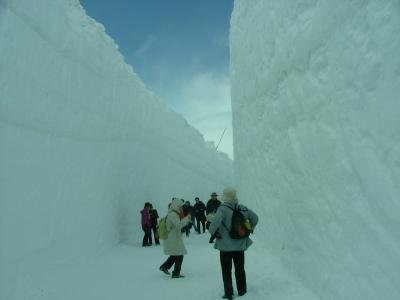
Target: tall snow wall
<point>315,99</point>
<point>83,142</point>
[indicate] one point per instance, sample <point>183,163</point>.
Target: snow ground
<point>131,272</point>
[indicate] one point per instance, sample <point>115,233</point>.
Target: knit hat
<point>176,204</point>
<point>229,195</point>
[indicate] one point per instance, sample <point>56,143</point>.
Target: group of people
<point>201,214</point>
<point>216,216</point>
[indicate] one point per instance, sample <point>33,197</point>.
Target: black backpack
<point>240,225</point>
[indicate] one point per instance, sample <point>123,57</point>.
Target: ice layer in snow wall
<point>83,143</point>
<point>316,117</point>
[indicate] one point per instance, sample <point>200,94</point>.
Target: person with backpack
<point>173,242</point>
<point>146,225</point>
<point>153,223</point>
<point>199,208</point>
<point>232,224</point>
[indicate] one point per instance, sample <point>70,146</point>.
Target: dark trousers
<point>154,229</point>
<point>203,223</point>
<point>171,260</point>
<point>186,229</point>
<point>226,259</point>
<point>147,236</point>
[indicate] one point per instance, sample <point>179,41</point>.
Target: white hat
<point>229,195</point>
<point>176,203</point>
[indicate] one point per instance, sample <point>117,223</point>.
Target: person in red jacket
<point>146,225</point>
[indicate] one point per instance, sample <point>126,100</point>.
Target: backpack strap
<point>233,209</point>
<point>227,229</point>
<point>175,212</point>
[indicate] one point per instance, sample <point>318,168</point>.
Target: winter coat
<point>145,218</point>
<point>187,209</point>
<point>212,205</point>
<point>199,209</point>
<point>173,244</point>
<point>153,217</point>
<point>222,223</point>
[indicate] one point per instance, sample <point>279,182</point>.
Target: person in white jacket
<point>173,244</point>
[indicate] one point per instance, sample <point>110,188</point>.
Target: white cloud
<point>205,101</point>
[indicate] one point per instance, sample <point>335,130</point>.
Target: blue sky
<point>180,49</point>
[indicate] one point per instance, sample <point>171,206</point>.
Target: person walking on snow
<point>187,210</point>
<point>173,244</point>
<point>146,225</point>
<point>153,221</point>
<point>211,209</point>
<point>199,208</point>
<point>213,204</point>
<point>231,249</point>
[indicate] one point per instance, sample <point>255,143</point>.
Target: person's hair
<point>197,198</point>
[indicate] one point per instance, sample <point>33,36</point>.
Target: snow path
<point>131,272</point>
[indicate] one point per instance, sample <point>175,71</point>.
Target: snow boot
<point>164,270</point>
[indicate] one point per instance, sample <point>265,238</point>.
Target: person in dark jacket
<point>153,222</point>
<point>231,249</point>
<point>213,204</point>
<point>199,209</point>
<point>187,210</point>
<point>146,225</point>
<point>211,209</point>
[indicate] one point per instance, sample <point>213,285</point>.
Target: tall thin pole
<point>222,135</point>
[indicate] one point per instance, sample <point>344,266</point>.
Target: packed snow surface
<point>83,145</point>
<point>315,99</point>
<point>129,272</point>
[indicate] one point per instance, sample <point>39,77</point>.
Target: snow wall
<point>83,143</point>
<point>316,119</point>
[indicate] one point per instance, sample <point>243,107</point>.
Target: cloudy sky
<point>180,49</point>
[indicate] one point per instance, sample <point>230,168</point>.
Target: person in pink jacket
<point>146,225</point>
